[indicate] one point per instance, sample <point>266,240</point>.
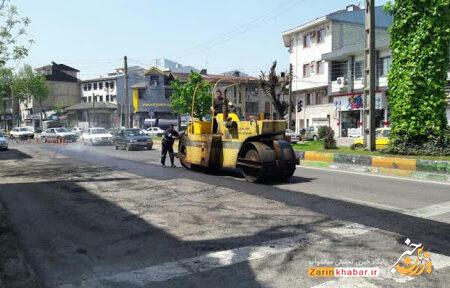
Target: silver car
<point>293,137</point>
<point>58,134</point>
<point>310,133</point>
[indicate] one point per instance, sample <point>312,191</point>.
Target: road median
<point>398,166</point>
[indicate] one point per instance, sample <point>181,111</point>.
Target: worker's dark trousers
<point>167,148</point>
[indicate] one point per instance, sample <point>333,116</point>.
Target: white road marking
<point>439,262</point>
<point>376,175</point>
<point>346,282</point>
<point>350,230</point>
<point>430,211</point>
<point>198,264</point>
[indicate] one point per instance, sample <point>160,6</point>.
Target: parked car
<point>21,133</point>
<point>132,138</point>
<point>114,131</point>
<point>3,142</point>
<point>293,137</point>
<point>154,131</point>
<point>96,136</point>
<point>77,131</point>
<point>381,140</point>
<point>310,133</point>
<point>58,134</point>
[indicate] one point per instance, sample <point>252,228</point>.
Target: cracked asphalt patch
<point>82,222</point>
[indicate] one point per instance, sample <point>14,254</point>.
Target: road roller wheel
<point>252,174</point>
<point>287,174</point>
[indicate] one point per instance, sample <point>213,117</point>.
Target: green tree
<point>12,31</point>
<point>31,85</point>
<point>420,37</point>
<point>181,98</point>
<point>6,76</point>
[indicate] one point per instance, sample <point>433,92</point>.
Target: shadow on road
<point>13,154</point>
<point>72,234</point>
<point>435,234</point>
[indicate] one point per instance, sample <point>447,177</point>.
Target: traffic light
<point>300,106</point>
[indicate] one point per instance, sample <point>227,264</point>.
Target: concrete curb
<point>379,162</point>
<point>419,175</point>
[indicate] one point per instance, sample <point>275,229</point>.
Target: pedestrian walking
<point>167,145</point>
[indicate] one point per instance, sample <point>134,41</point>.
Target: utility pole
<point>290,98</point>
<point>369,83</point>
<point>127,99</point>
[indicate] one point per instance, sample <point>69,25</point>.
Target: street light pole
<point>127,99</point>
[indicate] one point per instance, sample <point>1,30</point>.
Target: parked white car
<point>154,131</point>
<point>77,131</point>
<point>3,142</point>
<point>96,136</point>
<point>21,133</point>
<point>58,134</point>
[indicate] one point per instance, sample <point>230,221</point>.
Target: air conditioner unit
<point>341,81</point>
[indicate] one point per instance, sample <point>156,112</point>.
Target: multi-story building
<point>347,87</point>
<point>102,89</point>
<point>103,99</point>
<point>241,90</point>
<point>151,97</point>
<point>314,51</point>
<point>64,91</point>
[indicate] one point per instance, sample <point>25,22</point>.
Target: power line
<point>241,29</point>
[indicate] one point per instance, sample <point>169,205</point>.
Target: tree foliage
<point>274,87</point>
<point>12,31</point>
<point>6,76</point>
<point>420,37</point>
<point>182,96</point>
<point>30,85</point>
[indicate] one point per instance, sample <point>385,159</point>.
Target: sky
<point>93,36</point>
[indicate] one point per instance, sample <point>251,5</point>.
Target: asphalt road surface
<point>95,217</point>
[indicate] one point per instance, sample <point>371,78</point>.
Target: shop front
<point>350,113</point>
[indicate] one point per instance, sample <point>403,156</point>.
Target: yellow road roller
<point>258,147</point>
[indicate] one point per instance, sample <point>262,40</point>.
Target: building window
<point>359,70</point>
<point>320,68</point>
<point>107,98</point>
<point>338,69</point>
<point>306,70</point>
<point>319,97</point>
<point>111,85</point>
<point>95,98</point>
<point>84,99</point>
<point>321,36</point>
<point>307,39</point>
<point>85,87</point>
<point>89,86</point>
<point>113,98</point>
<point>154,81</point>
<point>384,64</point>
<point>100,85</point>
<point>95,86</point>
<point>89,99</point>
<point>308,99</point>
